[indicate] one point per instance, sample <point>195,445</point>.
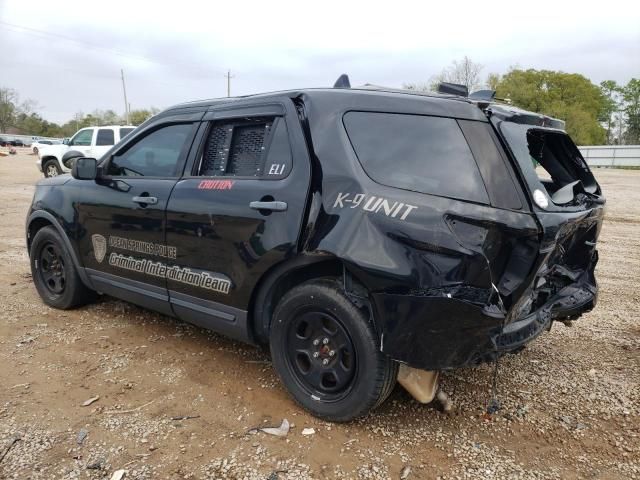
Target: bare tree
<point>464,72</point>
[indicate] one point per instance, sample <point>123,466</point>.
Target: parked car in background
<point>4,142</point>
<point>87,142</point>
<point>38,144</point>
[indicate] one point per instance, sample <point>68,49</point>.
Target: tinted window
<point>105,137</point>
<point>124,132</point>
<point>496,172</point>
<point>253,147</point>
<point>155,155</point>
<point>82,138</point>
<point>413,152</point>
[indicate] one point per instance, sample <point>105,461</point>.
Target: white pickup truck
<point>87,142</point>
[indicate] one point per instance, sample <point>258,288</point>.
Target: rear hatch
<point>569,206</point>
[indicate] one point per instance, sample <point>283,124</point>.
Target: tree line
<point>594,114</point>
<point>21,116</point>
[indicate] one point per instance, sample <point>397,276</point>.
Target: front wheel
<point>51,169</point>
<point>327,354</point>
<point>54,273</point>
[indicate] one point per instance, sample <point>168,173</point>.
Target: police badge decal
<point>99,246</point>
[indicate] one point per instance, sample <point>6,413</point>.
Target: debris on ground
<point>308,431</point>
<point>96,464</point>
<point>88,402</point>
<point>280,431</point>
<point>185,417</point>
<point>404,473</point>
<point>12,441</point>
<point>118,475</point>
<point>82,434</point>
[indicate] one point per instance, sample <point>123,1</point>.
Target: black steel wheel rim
<point>321,354</point>
<point>51,263</point>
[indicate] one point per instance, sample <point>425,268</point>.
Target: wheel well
<point>46,159</point>
<point>34,226</point>
<point>278,282</point>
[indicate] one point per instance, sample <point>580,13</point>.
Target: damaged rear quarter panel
<point>431,269</point>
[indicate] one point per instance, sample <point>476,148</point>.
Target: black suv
<point>352,230</point>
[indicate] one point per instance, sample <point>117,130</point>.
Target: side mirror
<point>65,141</point>
<point>85,168</point>
<point>69,157</point>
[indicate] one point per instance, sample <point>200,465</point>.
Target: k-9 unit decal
<point>374,204</point>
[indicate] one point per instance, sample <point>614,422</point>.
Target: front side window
<point>105,137</point>
<point>155,155</point>
<point>82,138</point>
<point>414,152</point>
<point>250,147</point>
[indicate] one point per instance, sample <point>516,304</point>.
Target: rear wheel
<point>51,169</point>
<point>54,273</point>
<point>326,352</point>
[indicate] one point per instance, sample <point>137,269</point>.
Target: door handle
<point>145,200</point>
<point>273,206</point>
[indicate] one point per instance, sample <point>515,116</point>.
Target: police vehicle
<point>365,234</point>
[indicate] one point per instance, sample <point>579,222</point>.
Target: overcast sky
<point>67,55</point>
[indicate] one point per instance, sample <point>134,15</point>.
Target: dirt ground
<point>570,402</point>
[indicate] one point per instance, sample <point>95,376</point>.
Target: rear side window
<point>250,147</point>
<point>494,167</point>
<point>105,137</point>
<point>414,152</point>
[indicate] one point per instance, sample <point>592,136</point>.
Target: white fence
<point>612,155</point>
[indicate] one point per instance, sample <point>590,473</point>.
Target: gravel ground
<point>570,402</point>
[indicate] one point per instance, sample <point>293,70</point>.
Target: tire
<point>327,354</point>
<point>50,168</point>
<point>54,274</point>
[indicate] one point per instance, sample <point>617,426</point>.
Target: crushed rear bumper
<point>441,333</point>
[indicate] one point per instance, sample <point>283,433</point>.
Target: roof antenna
<point>342,82</point>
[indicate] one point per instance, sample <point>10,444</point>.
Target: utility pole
<point>229,77</point>
<point>126,104</point>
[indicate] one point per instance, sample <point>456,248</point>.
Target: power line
<point>41,33</point>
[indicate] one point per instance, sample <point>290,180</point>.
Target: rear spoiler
<point>509,113</point>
